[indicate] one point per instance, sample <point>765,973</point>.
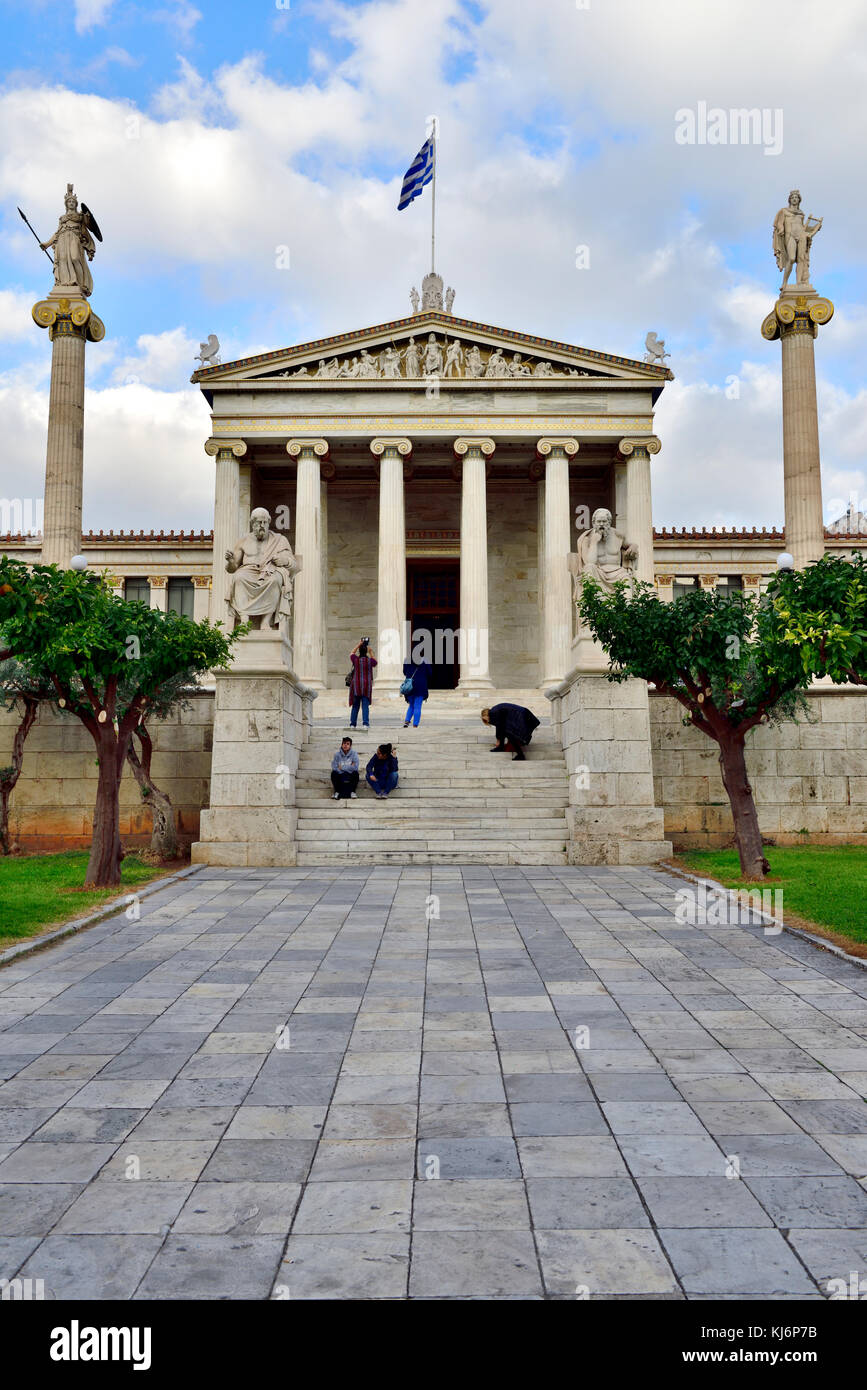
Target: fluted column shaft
<point>70,323</point>
<point>391,573</point>
<point>795,320</point>
<point>639,501</point>
<point>474,653</point>
<point>556,579</point>
<point>226,453</point>
<point>309,645</point>
<point>802,473</point>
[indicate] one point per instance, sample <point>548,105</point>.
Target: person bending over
<point>514,727</point>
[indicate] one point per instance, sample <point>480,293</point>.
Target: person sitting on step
<point>381,772</point>
<point>344,772</point>
<point>514,725</point>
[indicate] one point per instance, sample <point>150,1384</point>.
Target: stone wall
<point>353,557</point>
<point>809,778</point>
<point>52,805</point>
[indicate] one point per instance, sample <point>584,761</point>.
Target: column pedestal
<point>259,728</point>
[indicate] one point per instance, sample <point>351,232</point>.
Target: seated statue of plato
<point>262,567</point>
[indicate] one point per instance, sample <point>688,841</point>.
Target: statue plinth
<point>267,651</point>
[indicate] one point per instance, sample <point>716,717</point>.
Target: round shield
<point>91,221</point>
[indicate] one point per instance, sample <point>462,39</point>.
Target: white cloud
<point>15,306</point>
<point>90,13</point>
<point>226,166</point>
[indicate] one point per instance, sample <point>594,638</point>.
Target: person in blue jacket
<point>381,771</point>
<point>418,673</point>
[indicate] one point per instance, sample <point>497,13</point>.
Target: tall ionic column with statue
<point>71,323</point>
<point>795,319</point>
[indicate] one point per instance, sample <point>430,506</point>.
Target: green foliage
<point>713,650</point>
<point>96,651</point>
<point>825,884</point>
<point>42,890</point>
<point>820,619</point>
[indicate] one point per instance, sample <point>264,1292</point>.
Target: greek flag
<point>418,174</point>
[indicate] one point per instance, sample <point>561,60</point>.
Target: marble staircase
<point>456,803</point>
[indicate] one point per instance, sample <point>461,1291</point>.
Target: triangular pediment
<point>430,343</point>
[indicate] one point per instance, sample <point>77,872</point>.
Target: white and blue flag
<point>418,174</point>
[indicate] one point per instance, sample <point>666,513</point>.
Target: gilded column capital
<point>649,445</point>
<point>547,445</point>
<point>201,581</point>
<point>464,443</point>
<point>215,447</point>
<point>158,581</point>
<point>708,581</point>
<point>296,447</point>
<point>389,444</point>
<point>801,314</point>
<point>68,318</point>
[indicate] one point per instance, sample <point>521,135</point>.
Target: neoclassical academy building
<point>433,475</point>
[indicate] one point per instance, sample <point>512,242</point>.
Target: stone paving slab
<point>431,1082</point>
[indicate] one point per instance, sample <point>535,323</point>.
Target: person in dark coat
<point>381,772</point>
<point>419,673</point>
<point>361,686</point>
<point>514,727</point>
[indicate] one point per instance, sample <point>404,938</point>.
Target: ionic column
<point>159,591</point>
<point>665,587</point>
<point>309,646</point>
<point>391,581</point>
<point>475,670</point>
<point>70,323</point>
<point>639,508</point>
<point>226,506</point>
<point>201,597</point>
<point>795,321</point>
<point>556,579</point>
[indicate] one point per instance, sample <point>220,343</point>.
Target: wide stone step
<point>493,797</point>
<point>326,810</point>
<point>372,836</point>
<point>432,856</point>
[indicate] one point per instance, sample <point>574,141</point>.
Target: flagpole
<point>433,203</point>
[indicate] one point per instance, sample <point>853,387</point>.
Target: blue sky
<point>206,136</point>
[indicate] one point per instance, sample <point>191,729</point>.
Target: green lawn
<point>822,885</point>
<point>38,891</point>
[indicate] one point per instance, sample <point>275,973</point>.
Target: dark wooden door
<point>433,604</point>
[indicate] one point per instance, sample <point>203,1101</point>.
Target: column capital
<point>296,447</point>
<point>464,443</point>
<point>215,447</point>
<point>68,318</point>
<point>649,445</point>
<point>158,581</point>
<point>387,443</point>
<point>708,581</point>
<point>801,313</point>
<point>751,581</point>
<point>201,581</point>
<point>549,444</point>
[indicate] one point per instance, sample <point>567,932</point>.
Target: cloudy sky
<point>207,137</point>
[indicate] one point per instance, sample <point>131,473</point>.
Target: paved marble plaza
<point>427,1126</point>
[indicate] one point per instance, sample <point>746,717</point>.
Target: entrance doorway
<point>433,608</point>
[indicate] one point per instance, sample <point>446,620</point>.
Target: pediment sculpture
<point>263,569</point>
<point>422,357</point>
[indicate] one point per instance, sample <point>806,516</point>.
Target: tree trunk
<point>103,869</point>
<point>9,776</point>
<point>736,782</point>
<point>164,836</point>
